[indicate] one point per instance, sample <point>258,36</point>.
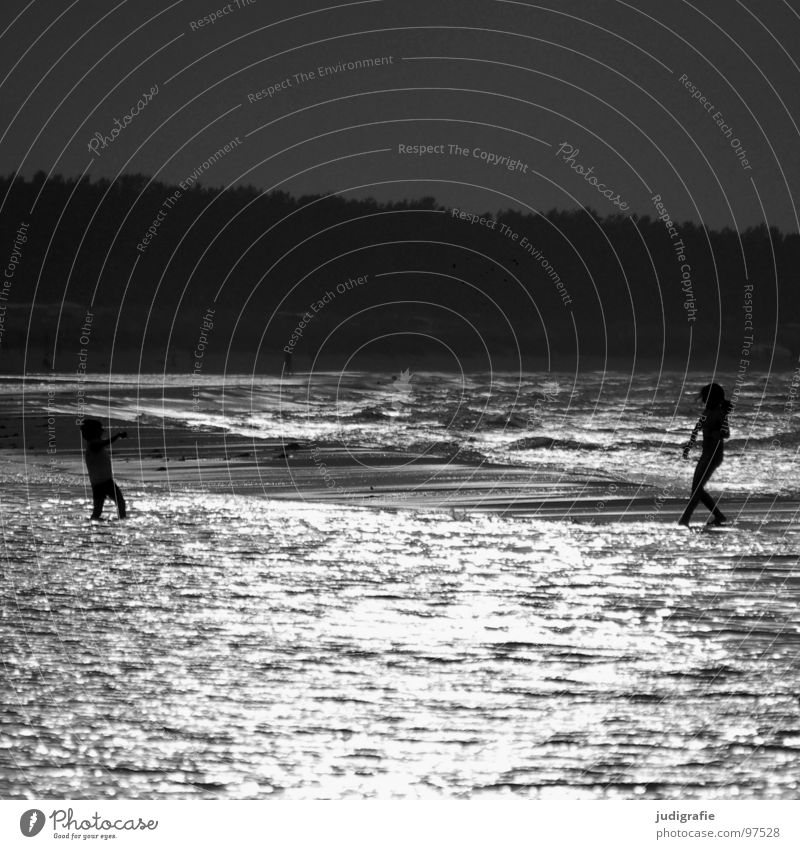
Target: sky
<point>526,105</point>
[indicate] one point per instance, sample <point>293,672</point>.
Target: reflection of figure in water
<point>98,464</point>
<point>714,424</point>
<point>287,362</point>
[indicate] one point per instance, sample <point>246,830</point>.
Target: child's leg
<point>98,497</point>
<point>116,495</point>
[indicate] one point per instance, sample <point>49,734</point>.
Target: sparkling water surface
<point>607,424</point>
<point>218,646</point>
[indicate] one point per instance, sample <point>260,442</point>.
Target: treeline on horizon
<point>154,259</point>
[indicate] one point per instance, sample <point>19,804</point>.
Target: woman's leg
<point>708,500</point>
<point>703,471</point>
<point>694,498</point>
<point>711,505</point>
<point>699,485</point>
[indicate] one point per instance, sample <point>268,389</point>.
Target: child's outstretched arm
<point>123,434</point>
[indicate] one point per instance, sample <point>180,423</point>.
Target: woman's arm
<point>693,438</point>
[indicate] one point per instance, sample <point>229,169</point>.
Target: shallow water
<point>232,647</point>
<point>605,424</point>
<point>241,647</point>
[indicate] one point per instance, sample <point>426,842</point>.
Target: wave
<point>369,414</point>
<point>510,420</point>
<point>446,448</point>
<point>787,439</point>
<point>531,443</point>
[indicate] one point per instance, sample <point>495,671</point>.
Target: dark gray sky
<point>514,79</point>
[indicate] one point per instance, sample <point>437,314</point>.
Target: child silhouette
<point>98,464</point>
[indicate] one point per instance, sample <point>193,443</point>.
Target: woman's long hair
<point>713,396</point>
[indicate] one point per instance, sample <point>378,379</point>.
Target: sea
<point>220,646</point>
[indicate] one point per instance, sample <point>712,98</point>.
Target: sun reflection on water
<point>232,647</point>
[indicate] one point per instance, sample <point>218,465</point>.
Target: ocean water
<point>242,647</point>
<point>607,424</point>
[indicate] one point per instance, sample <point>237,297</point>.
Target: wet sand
<point>183,460</point>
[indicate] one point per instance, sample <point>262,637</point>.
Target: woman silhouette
<point>714,424</point>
